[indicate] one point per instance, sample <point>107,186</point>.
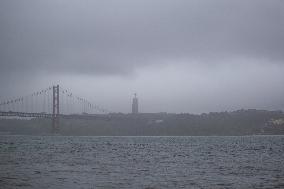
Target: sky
<point>179,56</point>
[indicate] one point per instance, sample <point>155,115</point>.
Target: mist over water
<point>70,68</point>
<point>141,162</point>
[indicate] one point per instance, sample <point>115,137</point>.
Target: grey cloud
<point>116,37</point>
<point>178,55</point>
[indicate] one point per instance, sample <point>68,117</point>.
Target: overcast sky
<point>178,55</point>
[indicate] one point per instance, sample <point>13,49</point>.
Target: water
<point>141,162</point>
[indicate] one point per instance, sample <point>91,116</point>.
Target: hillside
<point>241,122</point>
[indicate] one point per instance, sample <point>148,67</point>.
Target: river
<point>141,162</point>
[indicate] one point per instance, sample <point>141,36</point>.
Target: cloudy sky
<point>178,55</point>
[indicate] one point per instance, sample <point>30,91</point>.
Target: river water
<point>141,162</point>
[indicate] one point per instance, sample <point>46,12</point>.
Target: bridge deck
<point>50,116</point>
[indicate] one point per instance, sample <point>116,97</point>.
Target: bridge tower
<point>55,109</point>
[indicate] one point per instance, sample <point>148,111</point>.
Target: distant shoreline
<point>237,123</point>
<point>174,136</point>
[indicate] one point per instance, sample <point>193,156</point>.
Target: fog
<point>179,56</point>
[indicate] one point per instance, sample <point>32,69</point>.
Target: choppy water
<point>141,162</point>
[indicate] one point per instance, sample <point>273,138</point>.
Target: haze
<point>178,56</point>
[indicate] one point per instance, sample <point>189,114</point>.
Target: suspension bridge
<point>53,102</point>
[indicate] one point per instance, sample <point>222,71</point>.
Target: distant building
<point>135,104</point>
